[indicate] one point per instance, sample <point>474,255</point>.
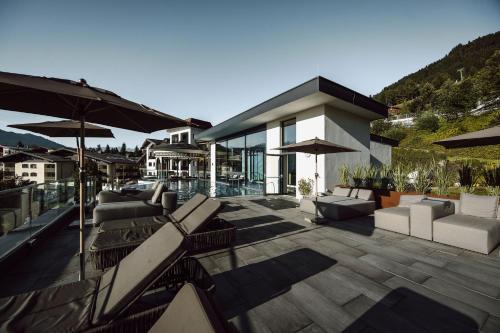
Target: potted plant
<point>357,176</point>
<point>423,178</point>
<point>400,184</point>
<point>305,186</point>
<point>344,175</point>
<point>467,177</point>
<point>444,178</point>
<point>491,175</point>
<point>369,176</point>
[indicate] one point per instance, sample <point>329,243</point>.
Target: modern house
<point>36,167</point>
<point>243,148</point>
<point>149,157</point>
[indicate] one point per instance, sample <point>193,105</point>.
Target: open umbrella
<point>317,147</point>
<point>82,102</point>
<point>489,136</point>
<point>65,129</point>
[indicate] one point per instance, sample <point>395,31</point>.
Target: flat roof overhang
<point>318,91</point>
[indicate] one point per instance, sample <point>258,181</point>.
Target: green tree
<point>107,150</point>
<point>99,148</point>
<point>487,79</point>
<point>427,121</point>
<point>137,152</point>
<point>380,125</point>
<point>123,149</point>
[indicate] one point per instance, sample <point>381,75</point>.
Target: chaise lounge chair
<point>203,232</point>
<point>203,315</point>
<point>155,221</point>
<point>128,209</point>
<point>114,196</point>
<point>96,304</point>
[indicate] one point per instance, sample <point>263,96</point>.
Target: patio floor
<point>286,275</point>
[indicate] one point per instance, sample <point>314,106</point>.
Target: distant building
<point>149,160</point>
<point>36,167</point>
<point>115,168</point>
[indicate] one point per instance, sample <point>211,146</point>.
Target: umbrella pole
<point>82,197</point>
<point>316,183</point>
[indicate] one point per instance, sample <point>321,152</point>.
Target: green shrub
<point>357,176</point>
<point>344,175</point>
<point>369,176</point>
<point>444,177</point>
<point>385,176</point>
<point>400,177</point>
<point>467,177</point>
<point>396,133</point>
<point>427,121</point>
<point>423,178</point>
<point>306,186</point>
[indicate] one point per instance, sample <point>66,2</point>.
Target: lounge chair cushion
<point>190,311</point>
<point>365,194</point>
<point>478,205</point>
<point>155,185</point>
<point>64,308</point>
<point>121,210</point>
<point>123,283</point>
<point>341,191</point>
<point>406,200</point>
<point>180,213</point>
<point>467,232</point>
<point>157,195</point>
<point>354,193</point>
<point>395,219</point>
<point>112,196</point>
<point>135,222</point>
<point>200,216</point>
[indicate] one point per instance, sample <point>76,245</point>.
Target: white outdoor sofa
<point>474,224</point>
<point>397,219</point>
<point>471,223</point>
<point>342,204</point>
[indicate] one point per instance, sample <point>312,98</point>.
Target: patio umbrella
<point>65,129</point>
<point>317,147</point>
<point>489,136</point>
<point>81,102</point>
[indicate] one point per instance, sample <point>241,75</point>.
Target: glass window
<point>184,137</point>
<point>175,138</point>
<point>221,161</point>
<point>289,169</point>
<point>288,132</point>
<point>25,174</point>
<point>236,158</point>
<point>25,165</point>
<point>32,166</point>
<point>33,174</point>
<point>255,154</point>
<point>50,166</point>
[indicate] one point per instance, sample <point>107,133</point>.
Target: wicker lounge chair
<point>203,231</point>
<point>155,221</point>
<point>114,196</point>
<point>117,296</point>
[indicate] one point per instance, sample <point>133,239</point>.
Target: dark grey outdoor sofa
<point>115,302</point>
<point>341,204</point>
<point>203,231</point>
<point>138,208</point>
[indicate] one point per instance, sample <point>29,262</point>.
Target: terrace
<point>286,275</point>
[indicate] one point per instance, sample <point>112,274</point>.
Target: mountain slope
<point>471,57</point>
<point>12,138</point>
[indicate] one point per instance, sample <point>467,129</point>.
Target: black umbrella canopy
<point>486,137</point>
<point>72,100</point>
<point>65,128</point>
<point>316,146</point>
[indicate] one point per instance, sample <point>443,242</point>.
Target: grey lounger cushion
<point>341,191</point>
<point>468,232</point>
<point>121,210</point>
<point>180,213</point>
<point>201,216</point>
<point>395,219</point>
<point>123,283</point>
<point>112,196</point>
<point>68,308</point>
<point>337,207</point>
<point>478,205</point>
<point>190,311</point>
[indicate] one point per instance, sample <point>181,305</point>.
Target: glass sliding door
<point>288,164</point>
<point>255,154</point>
<point>221,164</point>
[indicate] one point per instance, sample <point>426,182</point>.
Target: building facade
<point>34,167</point>
<point>243,150</point>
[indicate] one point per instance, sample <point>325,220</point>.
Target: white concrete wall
<point>380,153</point>
<point>348,130</point>
<point>273,140</point>
<point>309,125</point>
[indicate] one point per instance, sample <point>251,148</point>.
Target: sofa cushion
<point>468,232</point>
<point>478,205</point>
<point>341,191</point>
<point>158,192</point>
<point>395,219</point>
<point>354,193</point>
<point>406,200</point>
<point>365,194</point>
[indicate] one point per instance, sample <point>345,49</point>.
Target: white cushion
<point>406,200</point>
<point>365,194</point>
<point>354,193</point>
<point>341,191</point>
<point>478,205</point>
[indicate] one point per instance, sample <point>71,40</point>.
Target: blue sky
<point>214,59</point>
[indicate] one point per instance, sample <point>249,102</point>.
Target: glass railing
<point>26,211</point>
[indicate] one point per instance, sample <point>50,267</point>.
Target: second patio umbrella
<point>489,136</point>
<point>81,102</point>
<point>317,147</point>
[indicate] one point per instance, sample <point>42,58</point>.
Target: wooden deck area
<point>286,275</point>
